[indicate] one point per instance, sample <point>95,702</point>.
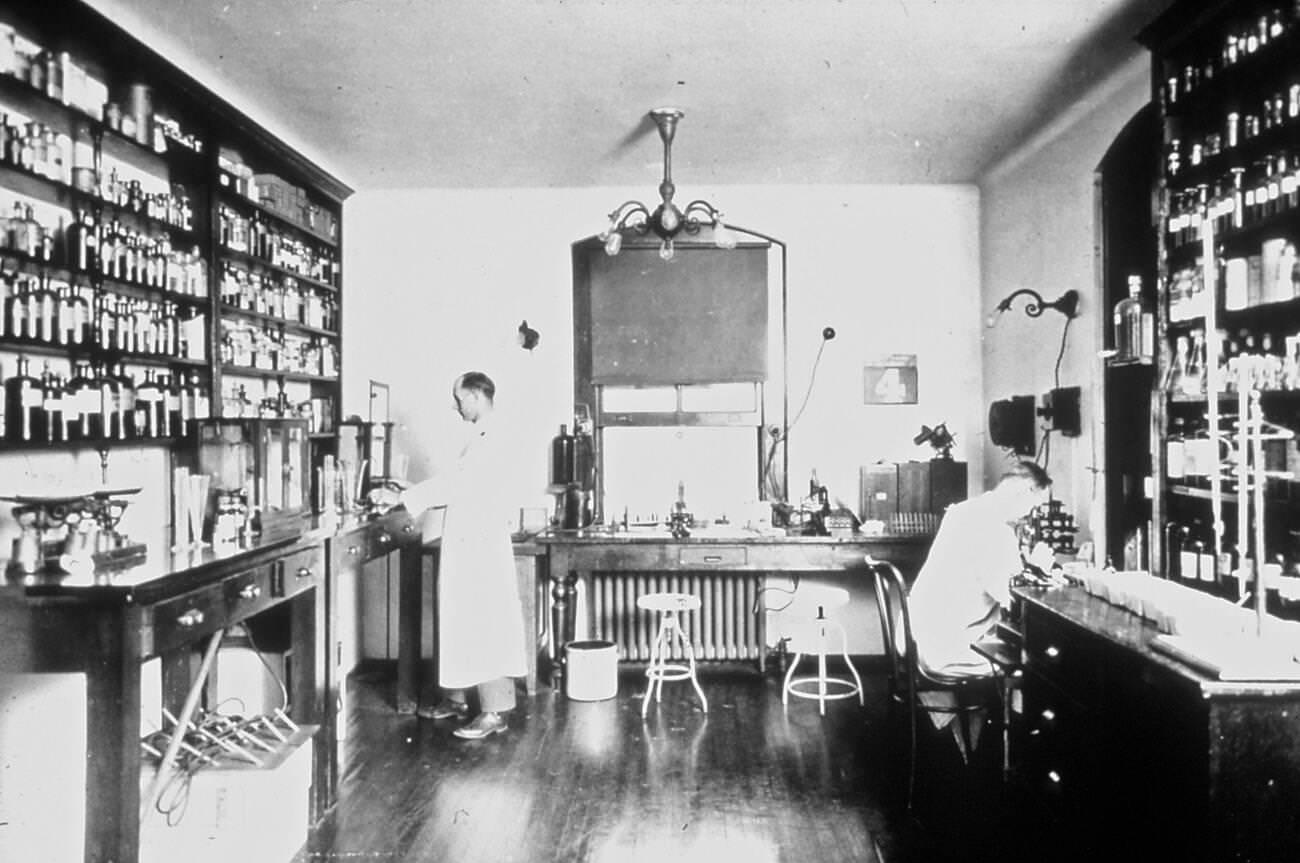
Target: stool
<point>819,629</point>
<point>669,606</point>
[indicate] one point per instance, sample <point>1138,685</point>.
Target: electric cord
<point>782,435</point>
<point>1044,455</point>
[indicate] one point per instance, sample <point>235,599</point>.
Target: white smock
<point>480,619</point>
<point>963,583</point>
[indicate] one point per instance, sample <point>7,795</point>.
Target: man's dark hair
<point>1029,471</point>
<point>478,382</point>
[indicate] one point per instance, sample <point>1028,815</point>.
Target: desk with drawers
<point>1136,756</point>
<point>105,626</point>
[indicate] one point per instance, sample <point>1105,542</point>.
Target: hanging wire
<point>1044,456</point>
<point>780,435</point>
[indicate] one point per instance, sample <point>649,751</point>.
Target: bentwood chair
<point>909,680</point>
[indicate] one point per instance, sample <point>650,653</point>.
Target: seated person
<point>958,596</point>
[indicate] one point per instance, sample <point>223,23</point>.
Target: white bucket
<point>592,670</point>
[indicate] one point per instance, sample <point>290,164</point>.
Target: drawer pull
<point>713,558</point>
<point>383,539</point>
<point>1052,652</point>
<point>1054,777</point>
<point>250,591</point>
<point>353,550</point>
<point>303,572</point>
<point>190,619</point>
<point>408,528</point>
<point>1049,715</point>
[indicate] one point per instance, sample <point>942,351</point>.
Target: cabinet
<point>1227,80</point>
<point>158,249</point>
<point>1118,742</point>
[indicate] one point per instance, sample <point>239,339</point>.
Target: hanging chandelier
<point>667,220</point>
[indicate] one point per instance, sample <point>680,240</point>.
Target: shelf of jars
<point>253,372</point>
<point>249,209</point>
<point>237,256</point>
<point>289,326</point>
<point>86,117</point>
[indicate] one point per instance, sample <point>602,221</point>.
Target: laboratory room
<point>603,432</point>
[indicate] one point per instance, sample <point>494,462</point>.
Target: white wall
<point>437,282</point>
<point>1038,230</point>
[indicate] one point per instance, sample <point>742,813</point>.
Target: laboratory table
<point>574,557</point>
<point>105,625</point>
<point>1135,755</point>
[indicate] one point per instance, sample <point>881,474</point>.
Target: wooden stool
<point>669,606</point>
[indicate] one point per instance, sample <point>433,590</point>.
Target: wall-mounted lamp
<point>667,221</point>
<point>1067,304</point>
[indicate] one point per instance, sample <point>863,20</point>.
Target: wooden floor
<point>591,782</point>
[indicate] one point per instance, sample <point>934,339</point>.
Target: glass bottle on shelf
<point>124,385</point>
<point>24,406</point>
<point>112,405</point>
<point>52,406</point>
<point>44,308</point>
<point>79,398</point>
<point>1129,323</point>
<point>1175,450</point>
<point>150,406</point>
<point>173,414</point>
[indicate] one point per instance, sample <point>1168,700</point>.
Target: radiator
<point>725,627</point>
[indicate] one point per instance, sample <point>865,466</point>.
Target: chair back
<point>895,628</point>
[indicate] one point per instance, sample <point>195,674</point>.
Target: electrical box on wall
<point>1061,410</point>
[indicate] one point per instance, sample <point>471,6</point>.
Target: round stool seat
<point>668,602</point>
<point>812,632</point>
<point>670,607</point>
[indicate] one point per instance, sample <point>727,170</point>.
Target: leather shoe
<point>445,709</point>
<point>484,725</point>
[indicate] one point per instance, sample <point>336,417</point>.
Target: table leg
<point>564,592</point>
<point>410,611</point>
<point>112,752</point>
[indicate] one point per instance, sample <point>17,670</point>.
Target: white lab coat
<point>964,581</point>
<point>480,621</point>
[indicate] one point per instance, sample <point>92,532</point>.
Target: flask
<point>24,406</point>
<point>1131,323</point>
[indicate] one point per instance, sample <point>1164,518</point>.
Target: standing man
<point>480,621</point>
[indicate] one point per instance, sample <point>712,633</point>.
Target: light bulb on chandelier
<point>666,221</point>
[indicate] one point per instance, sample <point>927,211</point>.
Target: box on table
<point>237,811</point>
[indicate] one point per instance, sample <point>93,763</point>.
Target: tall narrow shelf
<point>1226,76</point>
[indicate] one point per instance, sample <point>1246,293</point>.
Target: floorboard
<point>592,782</point>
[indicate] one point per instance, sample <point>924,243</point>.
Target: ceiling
<point>555,93</point>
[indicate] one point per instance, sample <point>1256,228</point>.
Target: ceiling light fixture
<point>666,221</point>
<point>1067,304</point>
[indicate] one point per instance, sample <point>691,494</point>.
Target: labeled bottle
<point>52,406</point>
<point>150,407</point>
<point>24,406</point>
<point>81,404</point>
<point>124,386</point>
<point>1134,326</point>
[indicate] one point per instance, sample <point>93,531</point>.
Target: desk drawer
<point>299,571</point>
<point>712,555</point>
<point>184,619</point>
<point>1070,658</point>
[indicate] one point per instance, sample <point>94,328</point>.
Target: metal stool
<point>818,630</point>
<point>669,606</point>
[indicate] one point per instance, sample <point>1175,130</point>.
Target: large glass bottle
<point>150,405</point>
<point>110,403</point>
<point>52,406</point>
<point>125,385</point>
<point>1127,322</point>
<point>24,406</point>
<point>81,403</point>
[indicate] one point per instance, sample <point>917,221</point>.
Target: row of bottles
<point>263,348</point>
<point>236,402</point>
<point>1133,325</point>
<point>1272,276</point>
<point>77,161</point>
<point>1238,198</point>
<point>253,236</point>
<point>277,296</point>
<point>275,194</point>
<point>118,252</point>
<point>61,77</point>
<point>40,310</point>
<point>104,247</point>
<point>1232,130</point>
<point>1247,38</point>
<point>99,403</point>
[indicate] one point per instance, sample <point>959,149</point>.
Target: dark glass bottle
<point>52,406</point>
<point>150,405</point>
<point>80,404</point>
<point>110,404</point>
<point>24,406</point>
<point>125,401</point>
